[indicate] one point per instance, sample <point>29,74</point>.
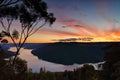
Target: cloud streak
<point>73,39</point>
<point>80,26</point>
<point>59,33</point>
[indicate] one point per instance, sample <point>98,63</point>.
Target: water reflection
<point>35,64</point>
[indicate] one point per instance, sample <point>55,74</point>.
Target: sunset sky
<point>96,19</point>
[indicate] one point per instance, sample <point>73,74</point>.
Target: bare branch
<point>6,2</point>
<point>22,33</point>
<point>9,24</point>
<point>33,26</point>
<point>37,29</point>
<point>1,21</point>
<point>20,46</point>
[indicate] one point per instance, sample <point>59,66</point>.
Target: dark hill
<point>70,53</point>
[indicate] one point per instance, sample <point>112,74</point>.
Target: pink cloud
<point>59,32</point>
<point>80,26</point>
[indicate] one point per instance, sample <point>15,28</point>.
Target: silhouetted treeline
<point>111,67</point>
<point>7,71</point>
<point>85,73</point>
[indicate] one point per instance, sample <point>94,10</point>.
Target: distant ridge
<point>68,53</point>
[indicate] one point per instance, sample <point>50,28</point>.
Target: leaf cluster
<point>2,35</point>
<point>28,11</point>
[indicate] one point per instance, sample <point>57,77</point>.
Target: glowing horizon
<point>97,19</point>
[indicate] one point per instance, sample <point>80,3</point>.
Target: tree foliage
<point>77,74</point>
<point>111,67</point>
<point>30,14</point>
<point>7,71</point>
<point>4,3</point>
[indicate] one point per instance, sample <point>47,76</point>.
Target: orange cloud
<point>80,26</point>
<point>93,30</point>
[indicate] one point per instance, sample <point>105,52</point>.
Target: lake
<point>35,63</point>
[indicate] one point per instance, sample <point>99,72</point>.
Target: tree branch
<point>8,3</point>
<point>3,25</point>
<point>17,52</point>
<point>22,33</point>
<point>33,26</point>
<point>37,29</point>
<point>9,24</point>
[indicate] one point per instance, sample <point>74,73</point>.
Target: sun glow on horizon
<point>78,19</point>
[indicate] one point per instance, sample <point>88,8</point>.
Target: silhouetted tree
<point>31,16</point>
<point>6,71</point>
<point>87,72</point>
<point>111,67</point>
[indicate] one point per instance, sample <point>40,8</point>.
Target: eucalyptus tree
<point>31,15</point>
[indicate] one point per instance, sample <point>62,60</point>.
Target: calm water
<point>35,64</point>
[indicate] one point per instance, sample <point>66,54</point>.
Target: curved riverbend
<point>35,64</point>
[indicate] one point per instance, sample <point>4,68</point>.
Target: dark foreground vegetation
<point>110,71</point>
